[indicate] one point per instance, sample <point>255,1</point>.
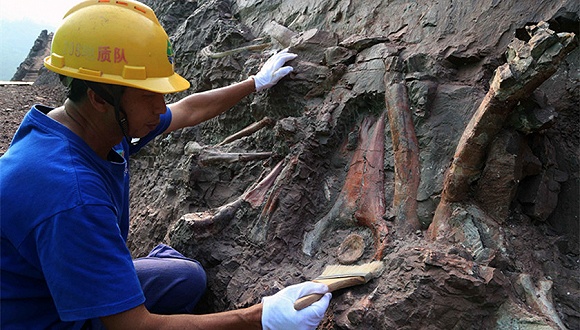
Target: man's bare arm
<point>139,318</point>
<point>199,107</point>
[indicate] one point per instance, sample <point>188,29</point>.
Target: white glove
<point>272,71</point>
<point>278,311</point>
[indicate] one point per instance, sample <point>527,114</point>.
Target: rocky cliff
<point>440,137</point>
<point>29,70</point>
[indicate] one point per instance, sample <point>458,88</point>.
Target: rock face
<point>358,141</point>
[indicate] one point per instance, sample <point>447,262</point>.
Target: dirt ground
<point>16,100</point>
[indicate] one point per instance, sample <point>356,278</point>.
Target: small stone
<point>351,249</point>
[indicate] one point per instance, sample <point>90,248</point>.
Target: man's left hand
<point>273,70</point>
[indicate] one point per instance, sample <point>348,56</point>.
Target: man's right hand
<point>278,310</point>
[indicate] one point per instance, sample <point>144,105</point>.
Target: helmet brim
<point>164,85</point>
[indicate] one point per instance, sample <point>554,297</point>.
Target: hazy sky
<point>48,12</point>
<point>21,21</point>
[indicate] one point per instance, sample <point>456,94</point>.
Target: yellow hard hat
<point>115,42</point>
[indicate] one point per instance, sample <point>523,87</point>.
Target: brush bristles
<point>368,271</point>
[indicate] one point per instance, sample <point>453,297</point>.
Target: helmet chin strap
<point>113,97</point>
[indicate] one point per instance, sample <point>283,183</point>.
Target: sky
<point>46,12</point>
<point>21,22</point>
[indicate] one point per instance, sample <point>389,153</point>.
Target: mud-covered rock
<point>445,54</point>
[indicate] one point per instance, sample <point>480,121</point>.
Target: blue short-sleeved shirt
<point>63,228</point>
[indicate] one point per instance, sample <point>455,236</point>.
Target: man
<point>64,187</point>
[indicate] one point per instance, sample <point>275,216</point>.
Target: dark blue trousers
<point>172,283</point>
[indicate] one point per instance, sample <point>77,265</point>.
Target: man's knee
<point>187,275</point>
<point>171,282</point>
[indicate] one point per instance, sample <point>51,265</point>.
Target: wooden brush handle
<point>306,301</point>
<point>333,285</point>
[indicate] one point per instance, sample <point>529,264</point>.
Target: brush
<point>339,277</point>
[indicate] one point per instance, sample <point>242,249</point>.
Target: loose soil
<point>16,100</point>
